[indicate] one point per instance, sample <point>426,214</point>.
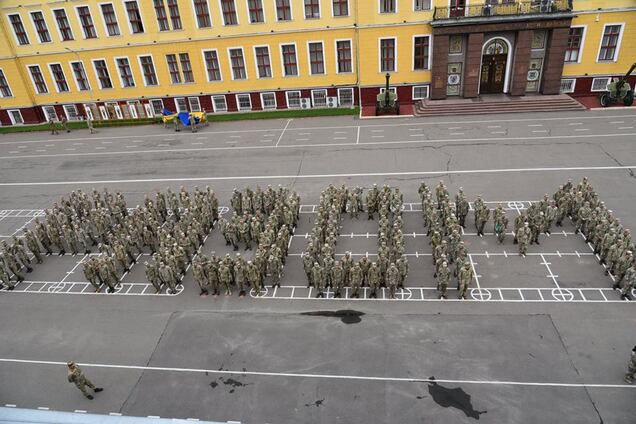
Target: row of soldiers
<point>611,241</point>
<point>444,225</point>
<point>214,274</point>
<point>319,258</point>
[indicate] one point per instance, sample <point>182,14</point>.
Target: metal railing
<point>530,7</point>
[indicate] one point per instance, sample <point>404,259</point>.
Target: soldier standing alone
<point>77,377</point>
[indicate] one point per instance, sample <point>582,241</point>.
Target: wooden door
<point>457,8</point>
<point>493,74</point>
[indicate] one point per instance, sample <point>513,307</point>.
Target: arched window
<point>496,46</point>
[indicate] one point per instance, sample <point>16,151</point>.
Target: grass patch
<point>221,117</point>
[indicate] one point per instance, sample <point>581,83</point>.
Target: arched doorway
<point>494,66</point>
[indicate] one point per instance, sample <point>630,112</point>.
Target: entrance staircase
<point>492,104</point>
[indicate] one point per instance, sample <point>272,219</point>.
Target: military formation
<point>319,258</point>
<point>262,218</point>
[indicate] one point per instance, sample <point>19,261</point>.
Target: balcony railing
<point>531,7</point>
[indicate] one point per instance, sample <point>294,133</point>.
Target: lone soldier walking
<point>77,377</point>
<point>631,368</point>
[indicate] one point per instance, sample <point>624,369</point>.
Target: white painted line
<point>494,126</point>
<point>377,131</point>
<point>163,145</point>
<point>114,414</point>
<point>540,131</point>
<point>41,150</point>
<point>49,145</point>
<point>302,139</point>
<point>377,136</point>
<point>456,134</point>
<point>340,138</point>
<point>169,139</point>
<point>535,125</point>
<point>22,147</point>
<point>419,129</point>
<point>9,405</point>
<point>625,128</point>
<point>358,136</point>
<point>201,138</point>
<point>195,144</point>
<point>581,129</point>
<point>575,123</point>
<point>78,144</point>
<point>283,132</point>
<point>70,150</point>
<point>498,132</point>
<point>454,128</point>
<point>268,135</point>
<point>107,142</point>
<point>331,376</point>
<point>341,132</point>
<point>80,411</point>
<point>14,151</point>
<point>265,141</point>
<point>100,148</point>
<point>416,135</point>
<point>304,133</point>
<point>235,136</point>
<point>617,122</point>
<point>132,147</point>
<point>43,408</point>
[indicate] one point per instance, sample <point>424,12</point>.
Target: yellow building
<point>116,59</point>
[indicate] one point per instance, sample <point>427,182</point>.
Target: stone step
<point>428,108</point>
<point>486,112</point>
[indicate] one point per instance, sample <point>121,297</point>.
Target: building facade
<point>117,59</point>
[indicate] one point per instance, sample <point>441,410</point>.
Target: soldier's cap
<point>70,364</point>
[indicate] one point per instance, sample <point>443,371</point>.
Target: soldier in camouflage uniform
<point>77,377</point>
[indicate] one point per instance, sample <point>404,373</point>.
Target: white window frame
<point>618,43</point>
<point>117,107</point>
<point>2,96</point>
<point>176,104</point>
<point>68,116</point>
<point>353,100</point>
<point>46,114</point>
<point>35,88</point>
<point>57,89</point>
<point>101,12</point>
<point>198,104</point>
<point>88,82</point>
<point>121,79</point>
<point>395,54</point>
<point>148,109</point>
<point>428,91</point>
<point>324,57</point>
<point>396,2</point>
<point>430,51</point>
<point>152,102</point>
<point>263,101</point>
<point>132,109</point>
<point>340,16</point>
<point>291,11</point>
<point>110,75</point>
<point>319,11</point>
<point>608,78</point>
<point>10,112</point>
<point>313,97</point>
<point>57,25</point>
<point>238,102</point>
<point>236,12</point>
<point>103,112</point>
<point>35,29</point>
<point>88,111</point>
<point>141,16</point>
<point>15,36</point>
<point>269,55</point>
<point>391,89</point>
<point>581,49</point>
<point>300,94</point>
<point>79,21</point>
<point>571,90</point>
<point>205,66</point>
<point>247,8</point>
<point>282,59</point>
<point>229,58</point>
<point>214,108</point>
<point>195,19</point>
<point>430,6</point>
<point>335,46</point>
<point>141,70</point>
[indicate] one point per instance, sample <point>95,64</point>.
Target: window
<point>567,85</point>
<point>148,69</point>
<point>62,23</point>
<point>345,96</point>
<point>343,49</point>
<point>58,77</point>
<point>195,105</point>
<point>162,17</point>
<point>84,14</point>
<point>181,104</point>
<point>110,19</point>
<point>101,69</point>
<point>219,104</point>
<point>5,90</point>
<point>319,98</point>
<point>420,92</point>
<point>387,6</point>
<point>212,65</point>
<point>420,53</point>
<point>573,48</point>
<point>132,108</point>
<point>71,112</point>
<point>610,42</point>
<point>40,27</point>
<point>419,5</point>
<point>387,55</point>
<point>18,29</point>
<point>16,117</point>
<point>340,7</point>
<point>312,9</point>
<point>186,67</point>
<point>262,62</point>
<point>173,68</point>
<point>49,113</point>
<point>244,102</point>
<point>290,64</point>
<point>38,79</point>
<point>80,76</point>
<point>293,99</point>
<point>114,110</point>
<point>268,100</point>
<point>600,84</point>
<point>316,58</point>
<point>175,17</point>
<point>134,17</point>
<point>202,11</point>
<point>229,12</point>
<point>256,11</point>
<point>88,110</point>
<point>103,112</point>
<point>283,10</point>
<point>238,64</point>
<point>125,73</point>
<point>157,106</point>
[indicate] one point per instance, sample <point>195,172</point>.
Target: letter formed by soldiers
<point>77,377</point>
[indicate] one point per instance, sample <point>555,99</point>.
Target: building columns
<point>440,67</point>
<point>473,64</point>
<point>521,60</point>
<point>554,58</point>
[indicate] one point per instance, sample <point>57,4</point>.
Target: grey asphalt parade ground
<point>540,339</point>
